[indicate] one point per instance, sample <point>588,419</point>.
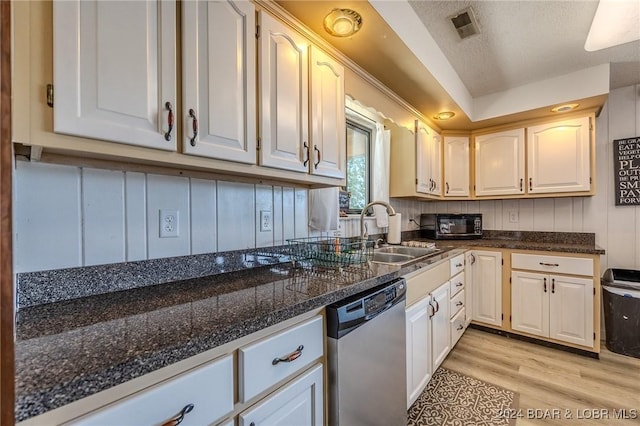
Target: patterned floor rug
<point>451,398</point>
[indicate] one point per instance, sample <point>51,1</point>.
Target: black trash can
<point>621,298</point>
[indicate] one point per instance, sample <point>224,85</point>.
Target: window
<point>358,148</point>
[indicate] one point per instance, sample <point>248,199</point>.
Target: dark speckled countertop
<point>72,349</point>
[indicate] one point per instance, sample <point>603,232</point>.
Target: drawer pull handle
<point>315,148</point>
<point>459,304</point>
<point>291,357</point>
<point>459,285</point>
<point>458,265</point>
<point>167,135</point>
<point>180,416</point>
<point>473,259</point>
<point>545,285</point>
<point>549,264</point>
<point>437,305</point>
<point>553,285</point>
<point>306,150</point>
<point>460,327</point>
<point>520,184</point>
<point>433,310</point>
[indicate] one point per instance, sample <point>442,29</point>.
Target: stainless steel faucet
<point>390,212</point>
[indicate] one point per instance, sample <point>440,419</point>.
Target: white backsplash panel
<point>67,216</point>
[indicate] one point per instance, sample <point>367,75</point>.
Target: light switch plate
<point>169,223</point>
<point>265,221</point>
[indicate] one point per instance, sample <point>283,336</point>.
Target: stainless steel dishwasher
<point>366,345</point>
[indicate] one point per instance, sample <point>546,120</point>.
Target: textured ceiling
<point>521,42</point>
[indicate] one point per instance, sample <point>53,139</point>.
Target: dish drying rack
<point>330,251</point>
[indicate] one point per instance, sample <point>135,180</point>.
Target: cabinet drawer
<point>457,303</point>
<point>554,264</point>
<point>258,368</point>
<point>457,327</point>
<point>209,388</point>
<point>456,264</point>
<point>456,284</point>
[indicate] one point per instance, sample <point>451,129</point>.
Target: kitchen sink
<point>401,255</point>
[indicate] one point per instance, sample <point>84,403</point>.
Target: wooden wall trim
<point>6,260</point>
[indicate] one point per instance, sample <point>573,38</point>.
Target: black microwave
<point>444,226</point>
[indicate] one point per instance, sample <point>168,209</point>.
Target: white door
<point>571,310</point>
<point>456,166</point>
<point>115,71</point>
<point>219,71</point>
<point>470,260</point>
<point>500,163</point>
<point>487,287</point>
<point>284,87</point>
<point>440,325</point>
<point>558,156</point>
<point>424,178</point>
<point>328,124</point>
<point>418,329</point>
<point>299,403</point>
<point>530,303</point>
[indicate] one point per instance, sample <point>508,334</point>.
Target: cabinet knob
<point>169,107</point>
<point>194,126</point>
<point>289,358</point>
<point>175,421</point>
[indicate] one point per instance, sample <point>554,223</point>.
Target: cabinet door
<point>530,303</point>
<point>298,403</point>
<point>436,163</point>
<point>440,326</point>
<point>487,287</point>
<point>456,166</point>
<point>558,156</point>
<point>219,93</point>
<point>571,310</point>
<point>470,260</point>
<point>424,178</point>
<point>284,87</point>
<point>500,163</point>
<point>418,329</point>
<point>115,70</point>
<point>328,124</point>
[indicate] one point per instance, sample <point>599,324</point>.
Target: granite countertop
<point>71,349</point>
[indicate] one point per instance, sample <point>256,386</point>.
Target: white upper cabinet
<point>428,160</point>
<point>499,163</point>
<point>558,156</point>
<point>456,166</point>
<point>328,123</point>
<point>218,80</point>
<point>115,71</point>
<point>284,87</point>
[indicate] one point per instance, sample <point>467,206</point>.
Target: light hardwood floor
<point>552,382</point>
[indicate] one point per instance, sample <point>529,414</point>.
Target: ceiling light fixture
<point>615,22</point>
<point>342,22</point>
<point>564,108</point>
<point>445,115</point>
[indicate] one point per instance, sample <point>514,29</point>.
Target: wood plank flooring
<point>555,387</point>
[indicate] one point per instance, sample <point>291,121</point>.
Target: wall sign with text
<point>626,166</point>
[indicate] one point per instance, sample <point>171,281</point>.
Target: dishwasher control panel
<point>378,301</point>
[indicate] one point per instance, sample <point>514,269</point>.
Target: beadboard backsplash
<point>67,216</point>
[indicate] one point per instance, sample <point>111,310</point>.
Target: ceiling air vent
<point>465,23</point>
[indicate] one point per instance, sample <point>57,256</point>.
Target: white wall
<point>68,216</point>
<point>617,228</point>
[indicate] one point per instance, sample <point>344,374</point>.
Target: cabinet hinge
<point>509,318</point>
<point>474,187</point>
<point>594,291</point>
<point>258,143</point>
<point>416,181</point>
<point>257,31</point>
<point>509,280</point>
<point>594,335</point>
<point>590,180</point>
<point>502,261</point>
<point>501,316</point>
<point>50,95</point>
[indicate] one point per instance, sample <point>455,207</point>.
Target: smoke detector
<point>465,23</point>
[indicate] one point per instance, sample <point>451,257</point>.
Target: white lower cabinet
<point>440,328</point>
<point>418,329</point>
<point>487,287</point>
<point>470,260</point>
<point>298,403</point>
<point>208,389</point>
<point>553,306</point>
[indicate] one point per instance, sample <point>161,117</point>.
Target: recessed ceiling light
<point>445,115</point>
<point>564,108</point>
<point>615,22</point>
<point>342,22</point>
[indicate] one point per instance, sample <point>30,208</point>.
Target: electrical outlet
<point>169,223</point>
<point>513,216</point>
<point>265,221</point>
